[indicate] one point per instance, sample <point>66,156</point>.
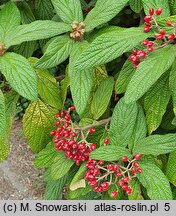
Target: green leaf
<point>20,75</point>
<point>37,123</point>
<point>9,17</point>
<point>103,11</point>
<point>156,101</point>
<point>58,50</point>
<point>46,156</point>
<point>64,84</point>
<point>81,81</point>
<point>109,46</point>
<point>54,188</point>
<point>136,195</point>
<point>149,71</point>
<point>26,13</point>
<point>171,168</point>
<point>36,30</point>
<point>102,97</point>
<point>78,180</point>
<point>124,77</point>
<point>68,10</point>
<point>60,166</point>
<point>44,9</point>
<point>110,153</point>
<point>136,5</point>
<point>2,114</point>
<point>72,195</point>
<point>157,4</point>
<point>4,149</point>
<point>156,145</point>
<point>140,128</point>
<point>154,180</point>
<point>48,88</point>
<point>172,83</point>
<point>123,123</point>
<point>172,4</point>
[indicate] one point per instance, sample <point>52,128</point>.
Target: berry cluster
<point>78,30</point>
<point>66,138</point>
<point>160,35</point>
<point>101,175</point>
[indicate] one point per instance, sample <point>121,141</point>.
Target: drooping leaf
<point>124,77</point>
<point>102,97</point>
<point>110,153</point>
<point>58,50</point>
<point>156,101</point>
<point>171,168</point>
<point>60,166</point>
<point>154,180</point>
<point>9,17</point>
<point>36,30</point>
<point>46,156</point>
<point>157,4</point>
<point>109,46</point>
<point>68,10</point>
<point>19,73</point>
<point>103,11</point>
<point>123,123</point>
<point>156,145</point>
<point>37,123</point>
<point>172,84</point>
<point>81,81</point>
<point>149,71</point>
<point>136,5</point>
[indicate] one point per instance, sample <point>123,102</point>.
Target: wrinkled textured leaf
<point>20,75</point>
<point>58,50</point>
<point>123,123</point>
<point>156,145</point>
<point>2,114</point>
<point>35,31</point>
<point>110,153</point>
<point>149,71</point>
<point>60,166</point>
<point>156,101</point>
<point>103,11</point>
<point>102,97</point>
<point>46,156</point>
<point>37,123</point>
<point>68,10</point>
<point>109,46</point>
<point>172,83</point>
<point>136,5</point>
<point>171,168</point>
<point>154,180</point>
<point>44,9</point>
<point>124,77</point>
<point>136,195</point>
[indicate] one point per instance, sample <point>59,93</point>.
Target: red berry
<point>145,42</point>
<point>105,186</point>
<point>72,108</point>
<point>109,166</point>
<point>92,130</point>
<point>158,11</point>
<point>52,133</point>
<point>151,11</point>
<point>137,156</point>
<point>129,191</point>
<point>135,164</point>
<point>67,117</point>
<point>133,58</point>
<point>169,23</point>
<point>118,174</point>
<point>150,49</point>
<point>139,170</point>
<point>133,171</point>
<point>101,162</point>
<point>125,187</point>
<point>74,134</point>
<point>63,113</point>
<point>162,32</point>
<point>115,168</point>
<point>159,37</point>
<point>114,194</point>
<point>92,147</point>
<point>121,182</point>
<point>150,44</point>
<point>57,123</point>
<point>142,54</point>
<point>146,29</point>
<point>134,52</point>
<point>171,36</point>
<point>126,179</point>
<point>125,158</point>
<point>58,115</point>
<point>147,18</point>
<point>106,141</point>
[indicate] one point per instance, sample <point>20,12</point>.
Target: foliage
<point>119,74</point>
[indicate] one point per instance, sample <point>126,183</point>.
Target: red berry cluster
<point>66,136</point>
<point>161,35</point>
<point>101,175</point>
